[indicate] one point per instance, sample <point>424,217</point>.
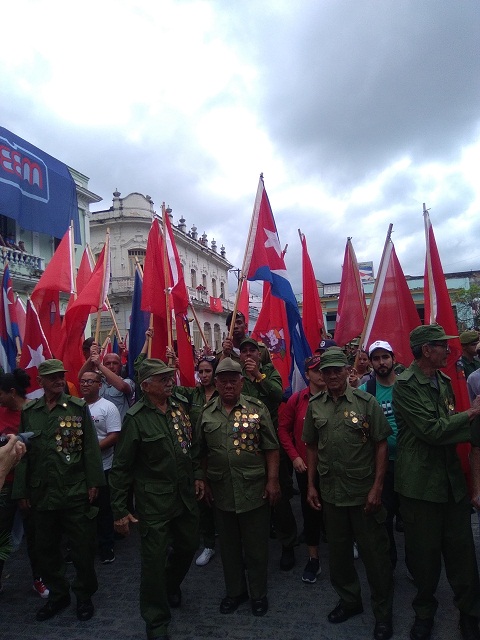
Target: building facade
<point>205,267</point>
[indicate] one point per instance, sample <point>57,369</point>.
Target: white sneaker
<point>205,557</point>
<point>355,551</point>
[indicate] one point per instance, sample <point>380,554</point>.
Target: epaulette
<point>405,375</point>
<point>79,401</point>
<point>362,394</point>
<point>30,403</point>
<point>316,395</point>
<point>135,409</point>
<point>211,401</point>
<point>180,398</point>
<point>444,375</point>
<point>256,401</point>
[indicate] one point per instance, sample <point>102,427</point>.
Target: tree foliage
<point>467,303</point>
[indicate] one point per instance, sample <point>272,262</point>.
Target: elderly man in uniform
<point>433,493</point>
<point>59,480</point>
<point>241,460</point>
<point>346,434</point>
<point>157,454</point>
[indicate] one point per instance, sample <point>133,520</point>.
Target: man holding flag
<point>433,493</point>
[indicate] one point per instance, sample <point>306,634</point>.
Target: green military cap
<point>249,341</point>
<point>468,337</point>
<point>47,367</point>
<point>153,367</point>
<point>227,365</point>
<point>333,357</point>
<point>428,333</point>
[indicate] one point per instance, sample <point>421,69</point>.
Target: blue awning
<point>36,189</point>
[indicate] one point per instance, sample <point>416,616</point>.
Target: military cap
<point>333,357</point>
<point>47,367</point>
<point>428,333</point>
<point>153,367</point>
<point>249,341</point>
<point>468,337</point>
<point>227,365</point>
<point>327,344</point>
<point>312,363</point>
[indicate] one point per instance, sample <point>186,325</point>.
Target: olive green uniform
<point>156,452</point>
<point>346,433</point>
<point>196,401</point>
<point>62,463</point>
<point>234,445</point>
<point>235,355</point>
<point>270,392</point>
<point>433,492</point>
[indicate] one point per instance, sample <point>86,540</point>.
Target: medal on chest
<point>245,431</point>
<point>183,428</point>
<point>69,435</point>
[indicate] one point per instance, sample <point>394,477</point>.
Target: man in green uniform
<point>59,480</point>
<point>157,454</point>
<point>433,493</point>
<point>346,434</point>
<point>263,381</point>
<point>241,460</point>
<point>469,361</point>
<point>231,346</point>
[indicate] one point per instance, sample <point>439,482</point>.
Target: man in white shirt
<point>107,422</point>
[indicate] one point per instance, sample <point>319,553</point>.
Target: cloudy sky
<point>356,111</point>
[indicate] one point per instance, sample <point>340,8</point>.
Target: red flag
<point>21,317</point>
<point>243,302</point>
<point>271,328</point>
<point>352,308</point>
<point>90,300</point>
<point>153,291</point>
<point>180,306</point>
<point>35,350</point>
<point>438,308</point>
<point>216,305</point>
<point>58,276</point>
<point>392,313</point>
<point>85,271</point>
<point>312,317</point>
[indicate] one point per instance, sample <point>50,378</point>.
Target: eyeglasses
<point>443,344</point>
<point>88,383</point>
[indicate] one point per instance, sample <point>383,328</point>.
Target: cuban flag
<point>264,261</point>
<point>9,332</point>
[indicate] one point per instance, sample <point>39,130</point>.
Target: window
<point>217,337</point>
<point>135,255</point>
<point>193,277</point>
<point>222,289</point>
<point>207,331</point>
<point>204,280</point>
<point>214,288</point>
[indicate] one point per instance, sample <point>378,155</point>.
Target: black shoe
<point>85,610</point>
<point>287,561</point>
<point>52,608</point>
<point>468,626</point>
<point>342,613</point>
<point>422,629</point>
<point>259,606</point>
<point>229,605</point>
<point>107,556</point>
<point>175,599</point>
<point>383,630</point>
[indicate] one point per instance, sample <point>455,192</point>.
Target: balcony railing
<point>22,263</point>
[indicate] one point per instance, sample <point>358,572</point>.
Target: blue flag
<point>36,190</point>
<point>8,324</point>
<point>264,261</point>
<point>139,321</point>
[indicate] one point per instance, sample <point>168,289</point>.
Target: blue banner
<point>36,190</point>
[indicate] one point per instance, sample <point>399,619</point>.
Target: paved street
<point>297,611</point>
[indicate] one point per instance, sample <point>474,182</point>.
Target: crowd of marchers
<point>371,447</point>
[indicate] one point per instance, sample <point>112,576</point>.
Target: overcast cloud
<point>356,111</point>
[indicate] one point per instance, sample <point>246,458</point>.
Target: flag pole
<point>107,301</point>
<point>195,317</point>
<point>166,271</point>
<point>73,281</point>
<point>243,276</point>
<point>428,261</point>
<point>102,292</point>
<point>375,287</point>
